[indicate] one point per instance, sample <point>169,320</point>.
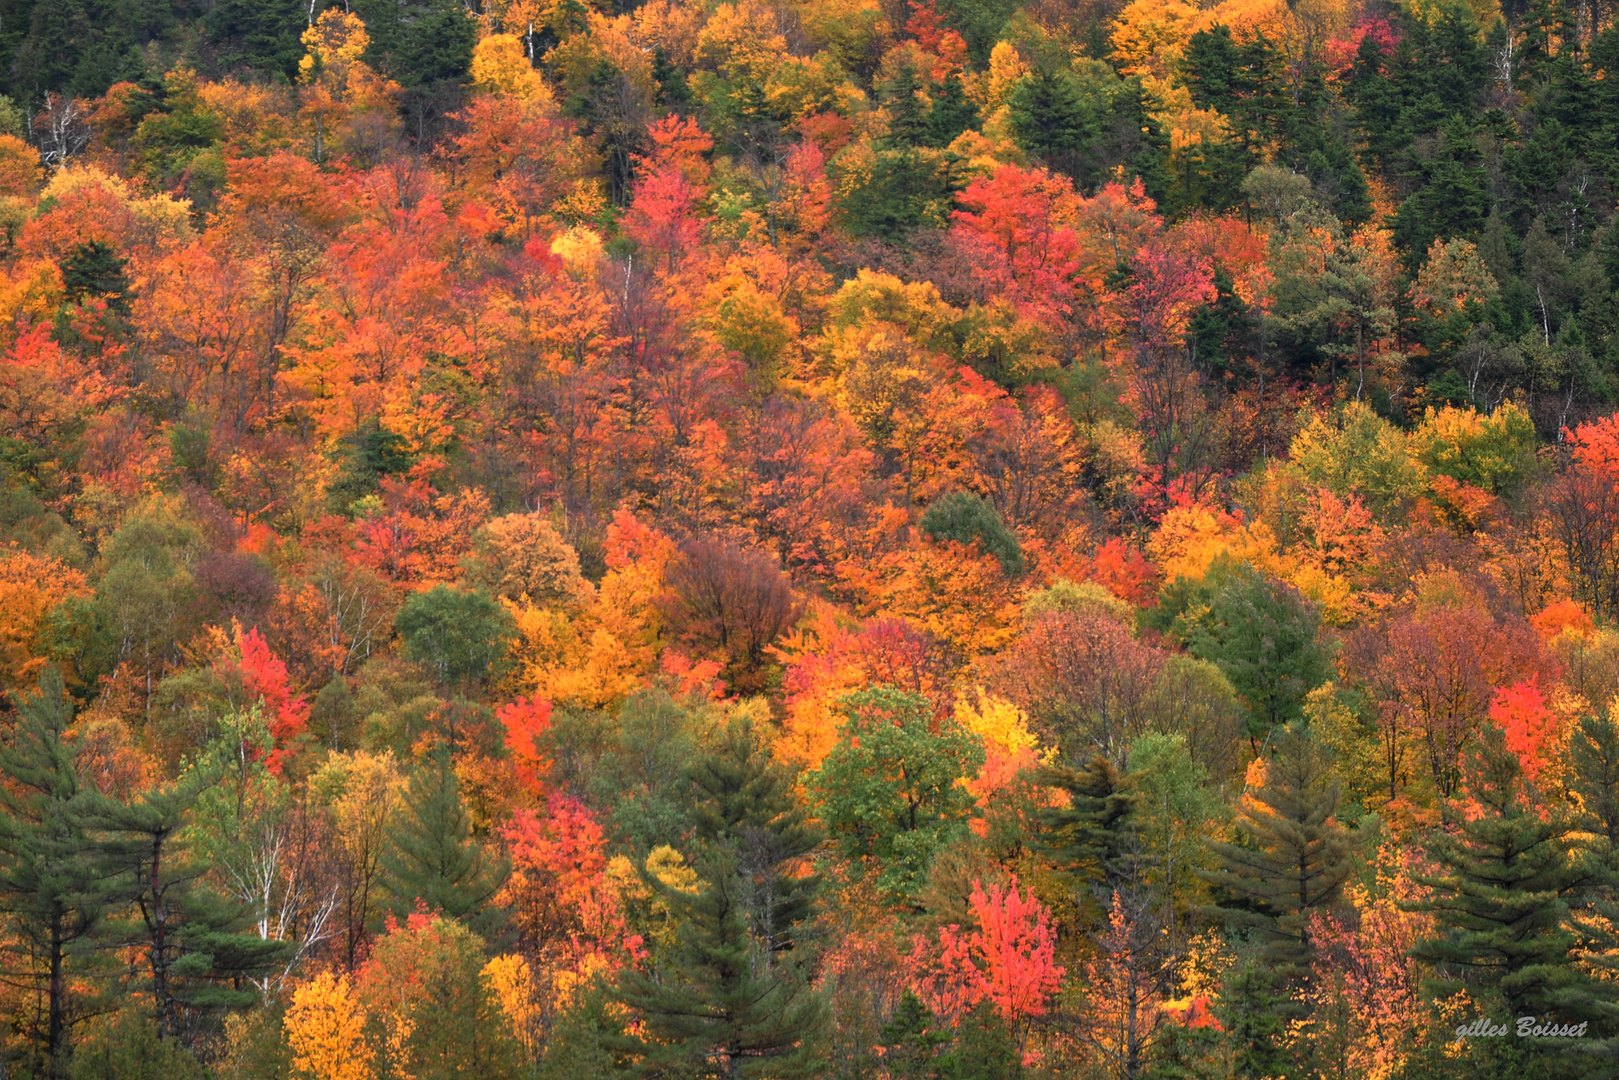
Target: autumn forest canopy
<point>850,539</point>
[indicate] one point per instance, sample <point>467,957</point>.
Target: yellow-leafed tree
<point>326,1030</point>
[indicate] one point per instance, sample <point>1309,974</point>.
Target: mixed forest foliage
<point>809,538</point>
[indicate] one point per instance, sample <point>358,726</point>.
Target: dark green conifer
<point>1292,857</point>
<point>1087,838</point>
<point>984,1049</point>
<point>53,891</point>
<point>907,119</point>
<point>911,1041</point>
<point>1253,1011</point>
<point>197,946</point>
<point>951,114</point>
<point>722,1006</point>
<point>745,804</point>
<point>734,999</point>
<point>431,856</point>
<point>1500,892</point>
<point>1051,119</point>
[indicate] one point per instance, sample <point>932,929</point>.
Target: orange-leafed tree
<point>526,721</point>
<point>660,218</point>
<point>1436,680</point>
<point>264,676</point>
<point>1530,726</point>
<point>30,586</point>
<point>563,902</point>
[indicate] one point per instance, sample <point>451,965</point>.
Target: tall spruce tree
<point>53,892</point>
<point>1087,838</point>
<point>745,803</point>
<point>1293,856</point>
<point>952,113</point>
<point>1593,750</point>
<point>733,999</point>
<point>1253,1011</point>
<point>1500,893</point>
<point>430,855</point>
<point>1052,120</point>
<point>911,1040</point>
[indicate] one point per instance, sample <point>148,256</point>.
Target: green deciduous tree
<point>460,634</point>
<point>1259,631</point>
<point>888,790</point>
<point>964,517</point>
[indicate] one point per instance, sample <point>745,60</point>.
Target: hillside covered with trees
<point>809,538</point>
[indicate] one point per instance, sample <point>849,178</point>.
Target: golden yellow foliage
<point>751,322</point>
<point>572,661</point>
<point>567,982</point>
<point>998,722</point>
<point>580,249</point>
<point>669,867</point>
<point>325,1028</point>
<point>1006,69</point>
<point>512,981</point>
<point>336,40</point>
<point>524,557</point>
<point>594,654</point>
<point>1191,537</point>
<point>1150,36</point>
<point>740,41</point>
<point>499,66</point>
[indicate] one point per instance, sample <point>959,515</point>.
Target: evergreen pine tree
<point>1294,858</point>
<point>430,855</point>
<point>911,1040</point>
<point>721,1007</point>
<point>264,35</point>
<point>52,891</point>
<point>907,120</point>
<point>93,271</point>
<point>984,1049</point>
<point>1500,893</point>
<point>1594,753</point>
<point>1087,838</point>
<point>733,999</point>
<point>951,114</point>
<point>673,91</point>
<point>436,46</point>
<point>745,803</point>
<point>1453,199</point>
<point>1052,120</point>
<point>198,948</point>
<point>1253,1012</point>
